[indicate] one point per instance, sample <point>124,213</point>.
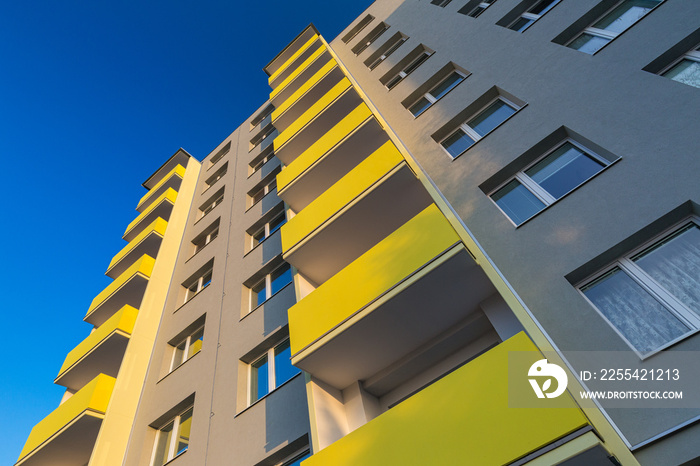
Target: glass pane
<point>675,264</point>
<point>521,24</point>
<point>272,185</point>
<point>563,170</point>
<point>281,278</point>
<point>163,445</point>
<point>277,222</point>
<point>477,11</point>
<point>195,343</point>
<point>259,379</point>
<point>543,7</point>
<point>494,115</point>
<point>258,195</point>
<point>517,202</point>
<point>183,440</point>
<point>206,280</point>
<point>283,364</point>
<point>213,235</point>
<point>397,79</point>
<point>416,63</point>
<point>686,72</point>
<point>446,86</point>
<point>625,15</point>
<point>643,321</point>
<point>192,289</point>
<point>258,237</point>
<point>457,143</point>
<point>588,43</point>
<point>419,107</point>
<point>259,294</point>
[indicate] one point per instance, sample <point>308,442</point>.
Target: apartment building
<point>345,278</point>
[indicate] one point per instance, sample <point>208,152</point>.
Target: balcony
<point>172,179</point>
<point>161,207</point>
<point>361,209</point>
<point>147,242</point>
<point>292,63</point>
<point>279,63</point>
<point>300,75</point>
<point>127,289</point>
<point>313,89</point>
<point>328,111</point>
<point>330,158</point>
<point>67,436</point>
<point>181,157</point>
<point>463,418</point>
<point>101,352</point>
<point>374,312</point>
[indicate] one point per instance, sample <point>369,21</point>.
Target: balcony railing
<point>147,242</point>
<point>161,207</point>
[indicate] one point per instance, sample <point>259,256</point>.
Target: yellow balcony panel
<point>172,179</point>
<point>370,202</point>
<point>462,418</point>
<point>317,121</point>
<point>317,85</point>
<point>422,265</point>
<point>127,289</point>
<point>161,207</point>
<point>67,435</point>
<point>100,352</point>
<point>147,242</point>
<point>282,57</point>
<point>305,118</point>
<point>288,66</point>
<point>330,158</point>
<point>321,51</point>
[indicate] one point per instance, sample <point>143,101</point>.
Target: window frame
<point>391,49</point>
<point>266,230</point>
<point>602,33</point>
<point>538,191</point>
<point>649,285</point>
<point>411,67</point>
<point>370,38</point>
<point>264,189</point>
<point>533,17</point>
<point>199,284</point>
<point>188,343</point>
<point>171,451</point>
<point>272,383</point>
<point>693,55</point>
<point>208,237</point>
<point>469,131</point>
<point>267,279</point>
<point>219,155</point>
<point>479,9</point>
<point>211,205</point>
<point>215,177</point>
<point>431,98</point>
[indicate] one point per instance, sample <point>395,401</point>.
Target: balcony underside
<point>379,211</point>
<point>148,245</point>
<point>72,446</point>
<point>310,178</point>
<point>417,311</point>
<point>172,180</point>
<point>299,76</point>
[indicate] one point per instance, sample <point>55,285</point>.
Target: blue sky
<point>94,96</point>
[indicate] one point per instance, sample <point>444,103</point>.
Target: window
<point>262,119</point>
<point>218,174</point>
<point>652,296</point>
<point>173,439</point>
<point>532,14</point>
<point>373,35</point>
<point>198,282</point>
<point>212,202</point>
<point>479,126</point>
<point>686,69</point>
<point>258,193</point>
<point>436,93</point>
<point>441,3</point>
<point>206,237</point>
<point>296,459</point>
<point>612,24</point>
<point>408,69</point>
<point>475,8</point>
<point>559,172</point>
<point>385,50</point>
<point>271,370</point>
<point>357,28</point>
<point>262,233</point>
<point>219,155</point>
<point>269,285</point>
<point>187,348</point>
<point>264,139</point>
<point>258,162</point>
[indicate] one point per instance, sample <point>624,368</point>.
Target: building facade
<point>345,278</point>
